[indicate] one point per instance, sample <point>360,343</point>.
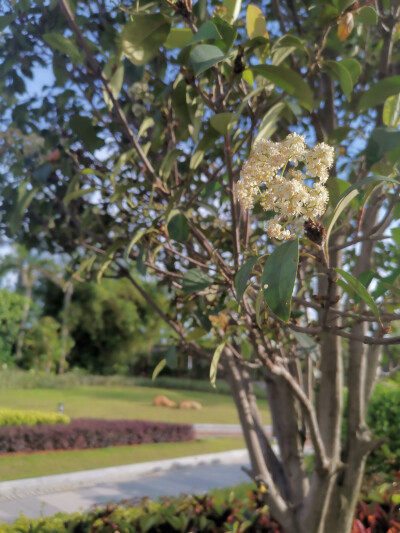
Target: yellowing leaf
<point>346,25</point>
<point>255,22</point>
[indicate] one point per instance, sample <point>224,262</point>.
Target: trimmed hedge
<point>17,417</point>
<point>81,434</point>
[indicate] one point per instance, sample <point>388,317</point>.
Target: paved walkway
<point>80,490</point>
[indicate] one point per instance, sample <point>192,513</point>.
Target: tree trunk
<point>65,329</point>
<point>22,326</point>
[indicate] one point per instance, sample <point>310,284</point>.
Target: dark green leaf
<point>381,288</point>
<point>340,73</point>
<point>63,46</point>
<point>204,56</point>
<point>42,173</point>
<point>196,280</point>
<point>206,32</point>
<point>378,92</point>
<point>142,37</point>
<point>289,81</point>
<point>243,276</point>
<point>86,132</point>
<point>381,141</point>
<point>278,278</point>
<point>359,289</point>
<point>178,227</point>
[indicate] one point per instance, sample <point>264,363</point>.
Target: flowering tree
<point>171,142</point>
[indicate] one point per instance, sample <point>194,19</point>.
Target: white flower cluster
<point>271,176</point>
<point>140,93</point>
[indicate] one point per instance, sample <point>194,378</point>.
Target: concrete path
<point>80,490</point>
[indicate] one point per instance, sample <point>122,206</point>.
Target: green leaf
<point>378,92</point>
<point>279,276</point>
<point>391,111</point>
<point>136,238</point>
<point>207,31</point>
<point>243,276</point>
<point>222,122</point>
<point>396,235</point>
<point>107,258</point>
<point>289,81</point>
<point>344,4</point>
<point>178,38</point>
<point>178,228</point>
<point>78,194</point>
<point>256,24</point>
<point>284,47</point>
<point>232,9</point>
<point>381,141</point>
<point>269,122</point>
<point>307,343</point>
<point>367,15</point>
<point>25,195</point>
<point>204,56</point>
<point>87,133</point>
<point>63,46</point>
<point>354,68</point>
<point>257,308</point>
<point>214,363</point>
<point>114,72</point>
<point>168,163</point>
<point>381,287</point>
<point>228,33</point>
<point>42,173</point>
<point>341,206</point>
<point>170,357</point>
<point>359,289</point>
<point>161,365</point>
<point>196,280</point>
<point>142,37</point>
<point>339,72</point>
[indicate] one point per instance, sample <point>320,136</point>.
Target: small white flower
<point>264,177</point>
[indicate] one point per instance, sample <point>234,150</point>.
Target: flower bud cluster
<point>275,175</point>
<point>140,93</point>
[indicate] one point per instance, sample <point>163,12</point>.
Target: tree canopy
<point>132,161</point>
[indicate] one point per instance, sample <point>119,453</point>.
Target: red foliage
<point>90,433</point>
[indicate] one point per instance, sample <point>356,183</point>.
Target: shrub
<point>18,379</point>
<point>218,512</point>
<point>90,433</point>
<point>383,418</point>
<point>17,417</point>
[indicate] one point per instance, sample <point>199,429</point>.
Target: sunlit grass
<point>45,464</point>
<point>127,403</point>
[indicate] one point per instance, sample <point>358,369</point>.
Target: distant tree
<point>43,345</point>
<point>113,328</point>
<point>12,306</point>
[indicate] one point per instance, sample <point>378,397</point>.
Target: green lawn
<point>45,464</point>
<point>126,403</point>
